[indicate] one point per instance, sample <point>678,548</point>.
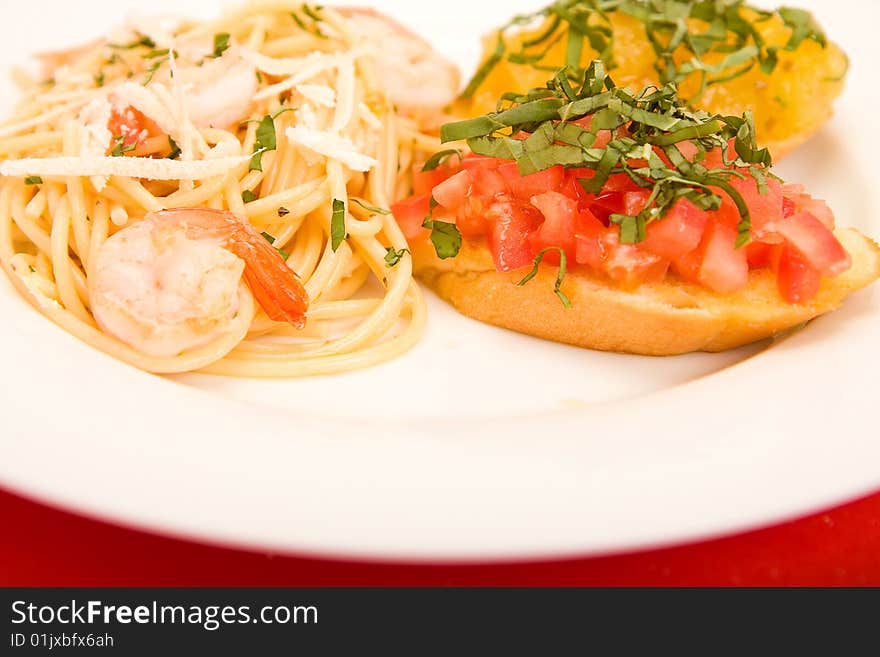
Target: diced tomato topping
<point>724,268</point>
<point>589,247</point>
<point>472,217</point>
<point>425,181</point>
<point>798,282</point>
<point>132,126</point>
<point>478,163</point>
<point>677,233</point>
<point>796,198</point>
<point>410,213</point>
<point>525,187</point>
<point>762,255</point>
<point>520,216</point>
<point>816,243</point>
<point>629,264</point>
<point>452,192</point>
<point>512,223</point>
<point>560,213</point>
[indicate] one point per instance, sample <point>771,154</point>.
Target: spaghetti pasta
<point>276,112</point>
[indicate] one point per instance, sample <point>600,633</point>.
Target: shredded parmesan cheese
<point>330,145</point>
<point>129,167</point>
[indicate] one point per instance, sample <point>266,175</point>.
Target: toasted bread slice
<point>661,319</point>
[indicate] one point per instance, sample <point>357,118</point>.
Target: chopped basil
<point>311,22</point>
<point>266,139</point>
<point>438,159</point>
<point>120,148</point>
<point>99,79</point>
<point>337,224</point>
<point>369,208</point>
<point>33,180</point>
<point>32,269</point>
<point>247,196</point>
<point>393,256</point>
<point>445,237</point>
<point>175,149</point>
<point>151,71</point>
<point>143,41</point>
<point>271,239</point>
<point>643,127</point>
<point>559,277</point>
<point>221,44</point>
<point>680,49</point>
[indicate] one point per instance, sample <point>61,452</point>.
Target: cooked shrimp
<point>173,281</point>
<point>415,75</point>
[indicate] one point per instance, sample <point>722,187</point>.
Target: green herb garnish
<point>120,148</point>
<point>437,159</point>
<point>393,256</point>
<point>221,44</point>
<point>728,30</point>
<point>33,180</point>
<point>559,277</point>
<point>248,196</point>
<point>445,237</point>
<point>369,208</point>
<point>142,41</point>
<point>639,126</point>
<point>266,139</point>
<point>175,149</point>
<point>151,71</point>
<point>337,224</point>
<point>271,239</point>
<point>311,21</point>
<point>99,79</point>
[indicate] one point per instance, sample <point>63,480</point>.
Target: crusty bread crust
<point>672,317</point>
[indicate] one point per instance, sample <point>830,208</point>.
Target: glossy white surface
<point>479,443</point>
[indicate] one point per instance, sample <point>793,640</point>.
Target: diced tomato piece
<point>410,213</point>
<point>635,201</point>
<point>816,243</point>
<point>425,181</point>
<point>676,234</point>
<point>452,192</point>
<point>619,182</point>
<point>509,240</point>
<point>688,266</point>
<point>525,187</point>
<point>724,268</point>
<point>589,247</point>
<point>471,217</point>
<point>572,187</point>
<point>796,198</point>
<point>132,126</point>
<point>798,282</point>
<point>630,265</point>
<point>475,163</point>
<point>762,254</point>
<point>606,204</point>
<point>765,209</point>
<point>560,213</point>
<point>489,182</point>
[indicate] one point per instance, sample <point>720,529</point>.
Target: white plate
<point>480,443</point>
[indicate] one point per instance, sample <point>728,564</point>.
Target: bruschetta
<point>627,222</point>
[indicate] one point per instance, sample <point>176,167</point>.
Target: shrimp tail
<point>276,287</point>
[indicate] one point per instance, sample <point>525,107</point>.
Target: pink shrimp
<point>171,282</point>
<point>275,286</point>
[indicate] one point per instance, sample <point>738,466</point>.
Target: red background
<point>41,546</point>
